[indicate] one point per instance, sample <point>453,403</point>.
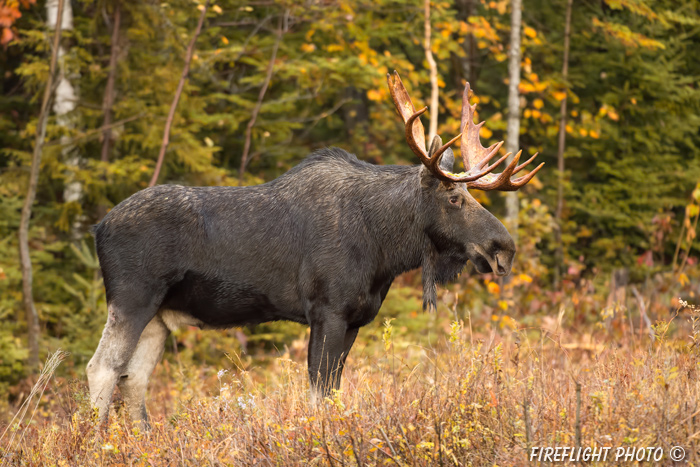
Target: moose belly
<point>219,303</point>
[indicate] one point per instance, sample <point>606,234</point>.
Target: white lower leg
<point>114,351</point>
<point>134,391</point>
<point>101,380</point>
<point>134,381</point>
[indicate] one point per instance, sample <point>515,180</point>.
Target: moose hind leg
<point>134,380</point>
<point>118,342</point>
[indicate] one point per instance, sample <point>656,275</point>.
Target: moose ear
<point>448,160</point>
<point>448,157</point>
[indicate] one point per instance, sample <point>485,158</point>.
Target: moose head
<point>459,228</point>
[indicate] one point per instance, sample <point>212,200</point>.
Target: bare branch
<point>27,293</point>
<point>87,134</point>
<point>317,118</point>
<point>178,92</point>
<point>109,89</point>
<point>321,116</point>
<point>258,104</point>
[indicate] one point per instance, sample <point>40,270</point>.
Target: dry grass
<point>468,400</point>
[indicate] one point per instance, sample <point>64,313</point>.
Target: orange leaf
<point>375,95</point>
<point>485,132</point>
<point>525,278</point>
<point>494,399</point>
<point>7,36</point>
<point>493,287</point>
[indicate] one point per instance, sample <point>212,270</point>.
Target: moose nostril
<point>500,270</point>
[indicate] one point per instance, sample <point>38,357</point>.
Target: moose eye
<point>455,200</point>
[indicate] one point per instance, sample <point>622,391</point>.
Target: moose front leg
<point>329,345</point>
<point>350,336</point>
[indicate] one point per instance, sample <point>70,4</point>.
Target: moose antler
<point>415,134</point>
<point>474,155</point>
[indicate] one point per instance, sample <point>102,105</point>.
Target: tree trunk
<point>433,77</point>
<point>560,153</point>
<point>65,102</point>
<point>466,9</point>
<point>513,131</point>
<point>25,260</point>
<point>109,89</point>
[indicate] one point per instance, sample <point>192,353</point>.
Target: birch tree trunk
<point>466,9</point>
<point>433,76</point>
<point>25,260</point>
<point>513,130</point>
<point>65,101</point>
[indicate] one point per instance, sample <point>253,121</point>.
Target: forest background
<point>272,80</point>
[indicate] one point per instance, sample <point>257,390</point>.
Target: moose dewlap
<point>319,245</point>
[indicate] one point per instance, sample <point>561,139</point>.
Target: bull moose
<point>319,245</point>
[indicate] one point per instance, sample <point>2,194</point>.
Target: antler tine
<point>475,156</point>
<point>520,167</point>
<point>508,171</point>
<point>415,133</point>
<point>518,182</point>
<point>515,184</point>
<point>502,181</point>
<point>493,149</point>
<point>495,164</point>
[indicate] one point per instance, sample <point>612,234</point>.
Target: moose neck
<point>397,222</point>
<point>400,224</point>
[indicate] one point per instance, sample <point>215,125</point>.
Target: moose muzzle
<point>494,259</point>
